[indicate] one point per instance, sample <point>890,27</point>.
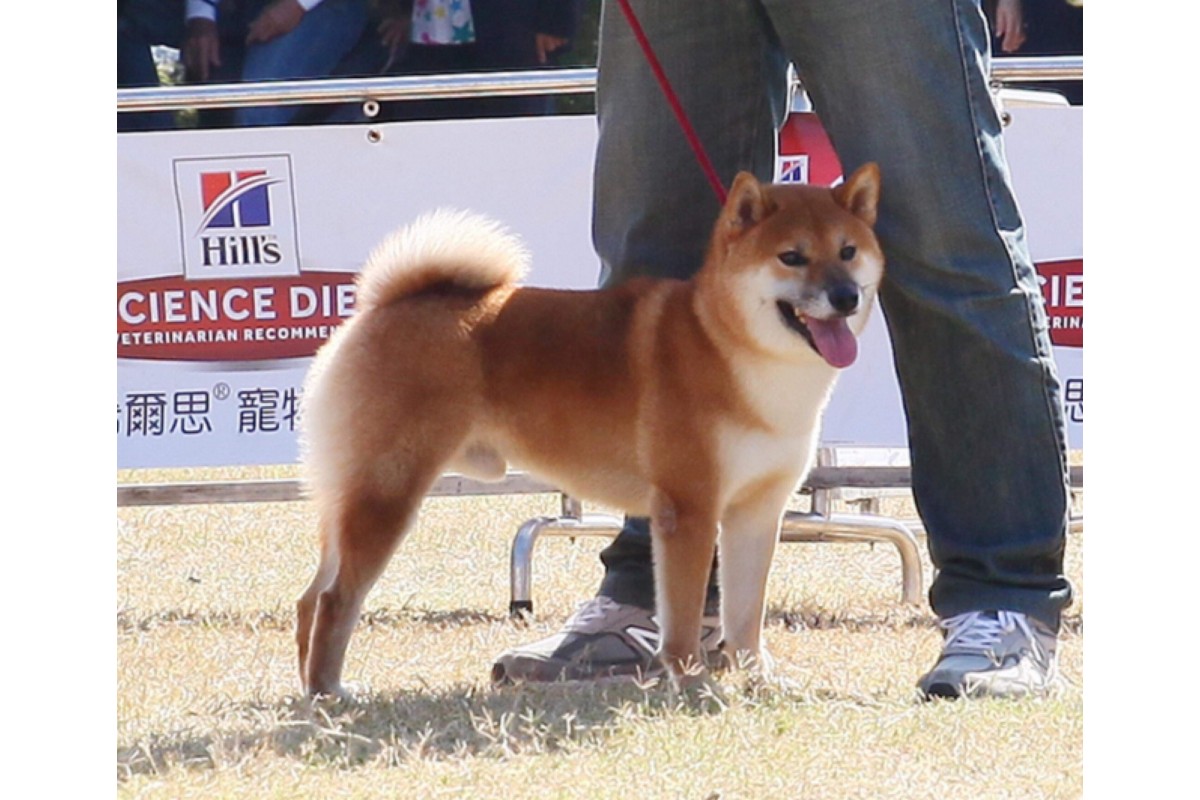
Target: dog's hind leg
<point>361,536</point>
<point>306,606</point>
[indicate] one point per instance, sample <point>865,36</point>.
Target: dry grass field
<point>207,701</point>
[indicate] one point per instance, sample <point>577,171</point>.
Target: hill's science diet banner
<point>237,251</point>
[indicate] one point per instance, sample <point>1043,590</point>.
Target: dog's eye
<point>791,258</point>
<point>848,252</point>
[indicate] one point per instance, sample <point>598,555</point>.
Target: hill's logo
<point>236,217</point>
<point>236,199</point>
<point>791,169</point>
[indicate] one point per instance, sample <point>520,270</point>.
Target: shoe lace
<point>981,632</point>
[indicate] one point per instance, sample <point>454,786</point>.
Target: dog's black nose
<point>843,297</point>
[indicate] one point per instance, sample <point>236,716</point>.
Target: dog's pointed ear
<point>747,204</point>
<point>859,194</point>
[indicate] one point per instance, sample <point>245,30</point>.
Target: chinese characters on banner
<point>191,412</point>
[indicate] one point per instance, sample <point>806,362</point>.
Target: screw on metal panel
<point>374,136</point>
<point>371,109</point>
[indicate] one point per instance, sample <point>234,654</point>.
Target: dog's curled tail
<point>446,247</point>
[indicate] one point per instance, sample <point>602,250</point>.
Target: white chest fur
<point>789,398</point>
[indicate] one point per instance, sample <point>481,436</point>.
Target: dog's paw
<point>700,690</point>
<point>687,674</point>
<point>347,692</point>
<point>758,663</point>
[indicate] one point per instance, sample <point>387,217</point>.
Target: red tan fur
<point>694,402</point>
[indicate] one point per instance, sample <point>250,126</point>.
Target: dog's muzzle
<point>831,338</point>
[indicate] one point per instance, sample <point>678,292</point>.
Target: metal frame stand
<point>817,525</point>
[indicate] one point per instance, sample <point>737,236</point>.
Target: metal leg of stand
<point>799,526</point>
<point>579,524</point>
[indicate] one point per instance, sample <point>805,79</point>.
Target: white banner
<point>237,249</point>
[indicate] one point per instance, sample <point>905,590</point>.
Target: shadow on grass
<point>801,617</point>
<point>805,616</point>
<point>134,620</point>
<point>394,727</point>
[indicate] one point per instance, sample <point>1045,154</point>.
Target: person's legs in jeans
<point>905,85</point>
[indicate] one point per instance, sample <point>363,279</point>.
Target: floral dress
<point>442,22</point>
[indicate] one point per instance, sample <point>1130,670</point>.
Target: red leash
<point>673,100</point>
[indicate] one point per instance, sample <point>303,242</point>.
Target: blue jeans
<point>904,84</point>
<point>310,50</point>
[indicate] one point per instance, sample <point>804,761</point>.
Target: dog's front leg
<point>749,533</point>
<point>684,536</point>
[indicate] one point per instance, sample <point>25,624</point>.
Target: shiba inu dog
<point>697,403</point>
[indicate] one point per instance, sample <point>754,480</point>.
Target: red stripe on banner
<point>803,135</point>
<point>250,319</point>
<point>1062,288</point>
<point>211,186</point>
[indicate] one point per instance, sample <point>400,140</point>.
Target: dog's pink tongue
<point>834,341</point>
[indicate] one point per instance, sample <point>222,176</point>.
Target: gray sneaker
<point>603,639</point>
<point>993,654</point>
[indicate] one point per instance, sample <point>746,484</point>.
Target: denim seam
<point>750,148</point>
<point>1043,357</point>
